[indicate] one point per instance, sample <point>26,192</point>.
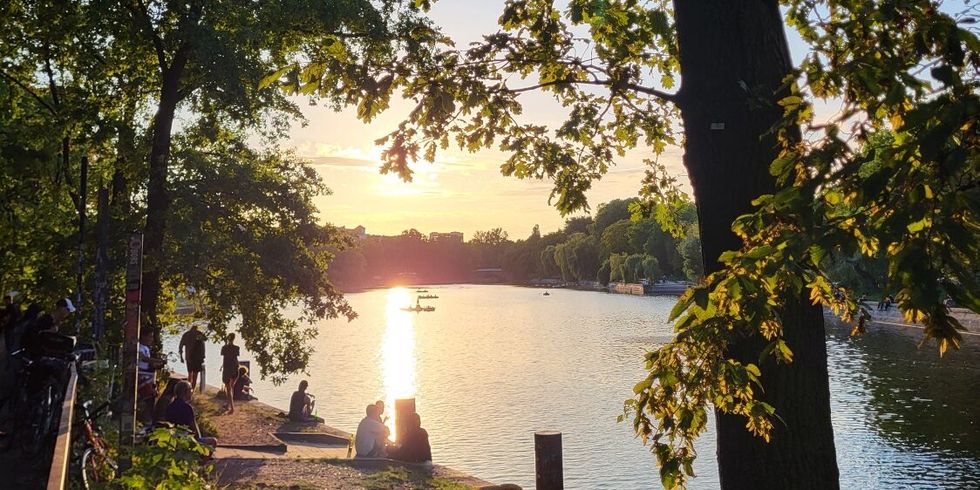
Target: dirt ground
<point>253,424</point>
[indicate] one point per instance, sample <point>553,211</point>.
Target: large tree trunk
<point>157,197</point>
<point>734,56</point>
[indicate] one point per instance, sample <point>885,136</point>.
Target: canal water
<point>493,364</point>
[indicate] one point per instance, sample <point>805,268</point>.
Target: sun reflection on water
<point>398,353</point>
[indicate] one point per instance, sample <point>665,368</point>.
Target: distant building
<point>452,236</point>
<point>359,232</point>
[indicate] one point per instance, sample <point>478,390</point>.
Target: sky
<point>460,191</point>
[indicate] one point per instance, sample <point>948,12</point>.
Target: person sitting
<point>414,447</point>
<point>370,440</point>
<point>243,385</point>
<point>382,417</point>
<point>163,403</point>
<point>181,413</point>
<point>301,404</point>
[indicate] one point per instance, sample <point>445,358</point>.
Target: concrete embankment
<point>894,317</point>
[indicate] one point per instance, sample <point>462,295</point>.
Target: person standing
<point>229,369</point>
<point>191,351</point>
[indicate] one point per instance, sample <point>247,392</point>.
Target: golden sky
<point>460,191</point>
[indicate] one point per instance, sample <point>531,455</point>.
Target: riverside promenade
<point>259,448</point>
<point>893,317</point>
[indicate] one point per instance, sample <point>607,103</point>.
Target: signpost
<point>131,334</point>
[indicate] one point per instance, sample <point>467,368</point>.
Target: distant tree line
<point>611,246</point>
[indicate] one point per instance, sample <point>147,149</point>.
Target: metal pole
<point>82,194</point>
<point>101,264</point>
<point>134,283</point>
<point>547,461</point>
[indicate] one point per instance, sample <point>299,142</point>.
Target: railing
<point>61,459</point>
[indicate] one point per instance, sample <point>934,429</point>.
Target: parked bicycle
<point>92,454</point>
<point>40,390</point>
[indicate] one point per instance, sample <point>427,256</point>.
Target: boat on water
<point>429,296</point>
<point>419,308</point>
<point>546,293</point>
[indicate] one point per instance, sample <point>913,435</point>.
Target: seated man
<point>370,440</point>
<point>180,412</point>
<point>414,447</point>
<point>243,385</point>
<point>301,404</point>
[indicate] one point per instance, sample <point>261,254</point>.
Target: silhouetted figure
<point>301,404</point>
<point>229,369</point>
<point>414,447</point>
<point>191,351</point>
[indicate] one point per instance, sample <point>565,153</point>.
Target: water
<point>493,364</point>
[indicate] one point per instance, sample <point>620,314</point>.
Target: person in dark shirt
<point>47,322</point>
<point>229,369</point>
<point>243,385</point>
<point>301,404</point>
<point>181,413</point>
<point>414,447</point>
<point>191,351</point>
<point>163,403</point>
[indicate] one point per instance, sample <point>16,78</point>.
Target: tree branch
<point>143,17</point>
<point>606,83</point>
<point>30,92</point>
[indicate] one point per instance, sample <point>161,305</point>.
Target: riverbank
<point>253,452</point>
<point>893,317</point>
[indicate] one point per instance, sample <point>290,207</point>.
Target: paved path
<point>293,451</point>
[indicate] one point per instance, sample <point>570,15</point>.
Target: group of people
<point>372,437</point>
<point>234,376</point>
<point>24,329</point>
<point>886,303</point>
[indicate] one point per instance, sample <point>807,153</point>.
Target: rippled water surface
<point>493,364</point>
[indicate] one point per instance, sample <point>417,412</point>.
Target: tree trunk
<point>157,198</point>
<point>734,56</point>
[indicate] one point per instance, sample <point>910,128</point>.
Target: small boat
<point>428,296</point>
<point>419,308</point>
<point>546,293</point>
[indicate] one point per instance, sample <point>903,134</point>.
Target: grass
<point>403,478</point>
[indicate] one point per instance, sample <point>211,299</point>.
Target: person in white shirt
<point>371,438</point>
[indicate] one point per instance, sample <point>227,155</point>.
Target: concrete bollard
<point>548,474</point>
<point>404,407</point>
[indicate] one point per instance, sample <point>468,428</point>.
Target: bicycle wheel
<point>37,424</point>
<point>96,468</point>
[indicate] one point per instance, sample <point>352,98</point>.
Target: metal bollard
<point>404,407</point>
<point>548,474</point>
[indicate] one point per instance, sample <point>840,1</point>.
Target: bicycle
<point>36,403</point>
<point>93,460</point>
